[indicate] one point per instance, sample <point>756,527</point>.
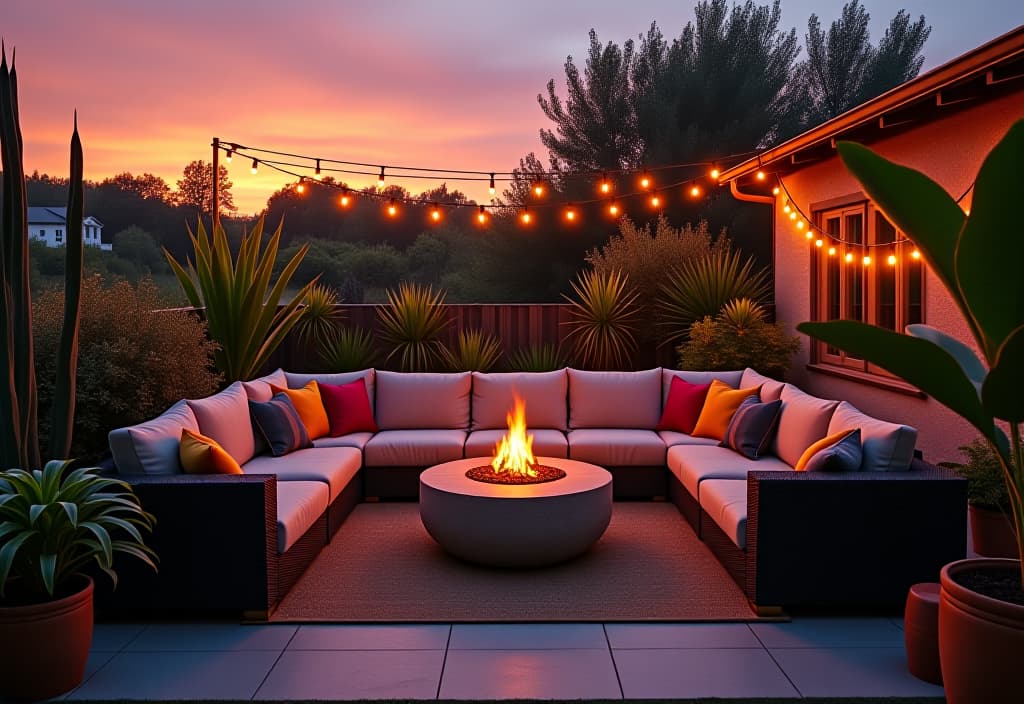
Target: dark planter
<point>980,638</point>
<point>43,647</point>
<point>993,533</point>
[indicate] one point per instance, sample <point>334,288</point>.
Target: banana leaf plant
<point>244,314</point>
<point>979,259</point>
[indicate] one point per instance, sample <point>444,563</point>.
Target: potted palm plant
<point>988,501</point>
<point>978,259</point>
<point>54,524</point>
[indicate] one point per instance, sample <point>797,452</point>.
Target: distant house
<point>855,264</point>
<point>50,226</point>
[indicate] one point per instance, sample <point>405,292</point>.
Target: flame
<point>514,452</point>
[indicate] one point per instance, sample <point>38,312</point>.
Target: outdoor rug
<point>382,566</point>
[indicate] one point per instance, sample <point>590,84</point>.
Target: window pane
<point>833,302</point>
<point>855,280</point>
<point>915,290</point>
<point>885,274</point>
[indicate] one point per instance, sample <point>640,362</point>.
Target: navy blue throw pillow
<point>752,427</point>
<point>844,455</point>
<point>279,424</point>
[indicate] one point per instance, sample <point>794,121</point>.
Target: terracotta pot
<point>981,639</point>
<point>43,647</point>
<point>993,533</point>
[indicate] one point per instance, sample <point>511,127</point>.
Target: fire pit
<point>517,517</point>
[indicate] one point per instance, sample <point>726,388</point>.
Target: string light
<point>891,260</point>
<point>491,187</point>
<point>605,187</point>
<point>695,191</point>
<point>810,235</point>
<point>392,208</point>
<point>435,213</point>
<point>714,172</point>
<point>525,217</point>
<point>380,179</point>
<point>792,215</point>
<point>866,260</point>
<point>916,254</point>
<point>786,208</point>
<point>613,208</point>
<point>252,169</point>
<point>759,175</point>
<point>228,155</point>
<point>301,187</point>
<point>818,243</point>
<point>849,257</point>
<point>655,201</point>
<point>538,189</point>
<point>831,251</point>
<point>645,180</point>
<point>345,200</point>
<point>481,217</point>
<point>317,167</point>
<point>775,191</point>
<point>800,225</point>
<point>570,213</point>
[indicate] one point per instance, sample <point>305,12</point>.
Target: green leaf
<point>920,362</point>
<point>964,355</point>
<point>35,511</point>
<point>48,571</point>
<point>1001,395</point>
<point>72,511</point>
<point>8,553</point>
<point>102,536</point>
<point>991,249</point>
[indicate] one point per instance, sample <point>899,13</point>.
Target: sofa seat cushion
<point>225,418</point>
<point>414,448</point>
<point>614,399</point>
<point>546,442</point>
<point>357,440</point>
<point>152,447</point>
<point>544,394</point>
<point>617,447</point>
<point>693,464</point>
<point>334,466</point>
<point>725,502</point>
<point>671,437</point>
<point>420,401</point>
<point>299,505</point>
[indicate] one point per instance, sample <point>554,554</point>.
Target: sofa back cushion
<point>225,418</point>
<point>614,399</point>
<point>887,447</point>
<point>259,389</point>
<point>731,379</point>
<point>771,390</point>
<point>803,422</point>
<point>297,381</point>
<point>423,400</point>
<point>152,447</point>
<point>543,392</point>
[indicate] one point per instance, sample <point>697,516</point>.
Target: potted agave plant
<point>54,524</point>
<point>978,258</point>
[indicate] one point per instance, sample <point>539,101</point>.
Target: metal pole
<point>216,182</point>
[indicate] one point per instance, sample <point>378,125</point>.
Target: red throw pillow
<point>348,408</point>
<point>683,407</point>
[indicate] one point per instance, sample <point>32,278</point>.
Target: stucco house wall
<point>950,151</point>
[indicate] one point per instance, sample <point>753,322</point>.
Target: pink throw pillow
<point>348,408</point>
<point>683,406</point>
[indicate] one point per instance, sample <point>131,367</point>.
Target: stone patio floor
<point>809,657</point>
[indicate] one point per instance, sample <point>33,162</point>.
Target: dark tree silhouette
<point>144,185</point>
<point>195,188</point>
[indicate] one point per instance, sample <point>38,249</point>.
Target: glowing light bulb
<point>526,218</point>
<point>380,179</point>
<point>570,213</point>
<point>695,191</point>
<point>810,235</point>
<point>538,189</point>
<point>301,187</point>
<point>866,260</point>
<point>435,213</point>
<point>775,191</point>
<point>655,201</point>
<point>714,172</point>
<point>759,175</point>
<point>916,254</point>
<point>227,156</point>
<point>605,186</point>
<point>819,243</point>
<point>252,169</point>
<point>613,208</point>
<point>491,187</point>
<point>392,208</point>
<point>481,217</point>
<point>792,215</point>
<point>891,260</point>
<point>831,251</point>
<point>800,225</point>
<point>849,257</point>
<point>345,200</point>
<point>786,209</point>
<point>645,180</point>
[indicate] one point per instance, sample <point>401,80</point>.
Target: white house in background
<point>50,226</point>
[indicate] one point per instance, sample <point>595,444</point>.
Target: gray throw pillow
<point>752,427</point>
<point>844,455</point>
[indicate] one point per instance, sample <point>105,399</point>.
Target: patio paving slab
<point>178,675</point>
<point>354,674</point>
<point>527,636</point>
<point>852,672</point>
<point>371,637</point>
<point>529,674</point>
<point>189,637</point>
<point>681,635</point>
<point>829,632</point>
<point>113,637</point>
<point>666,673</point>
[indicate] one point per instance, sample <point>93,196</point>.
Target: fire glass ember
<point>513,461</point>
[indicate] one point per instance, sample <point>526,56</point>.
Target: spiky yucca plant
<point>349,350</point>
<point>476,351</point>
<point>320,316</point>
<point>243,312</point>
<point>412,323</point>
<point>544,357</point>
<point>604,319</point>
<point>701,287</point>
<point>743,313</point>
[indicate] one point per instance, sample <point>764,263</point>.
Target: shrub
<point>544,357</point>
<point>412,324</point>
<point>603,319</point>
<point>134,360</point>
<point>739,337</point>
<point>350,350</point>
<point>986,484</point>
<point>351,291</point>
<point>320,316</point>
<point>475,351</point>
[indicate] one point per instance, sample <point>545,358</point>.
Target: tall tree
<point>195,188</point>
<point>144,185</point>
<point>898,57</point>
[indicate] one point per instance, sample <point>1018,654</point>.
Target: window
<point>42,232</point>
<point>865,270</point>
<point>58,236</point>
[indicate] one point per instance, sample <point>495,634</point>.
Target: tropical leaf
<point>1001,393</point>
<point>970,364</point>
<point>603,321</point>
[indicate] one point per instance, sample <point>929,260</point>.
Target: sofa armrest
<point>216,539</point>
<point>822,539</point>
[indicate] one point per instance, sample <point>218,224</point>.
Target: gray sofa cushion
<point>545,395</point>
<point>407,401</point>
<point>887,447</point>
<point>804,421</point>
<point>547,442</point>
<point>695,463</point>
<point>297,381</point>
<point>614,399</point>
<point>413,448</point>
<point>672,437</point>
<point>225,418</point>
<point>771,390</point>
<point>356,440</point>
<point>299,504</point>
<point>152,447</point>
<point>617,447</point>
<point>334,466</point>
<point>725,502</point>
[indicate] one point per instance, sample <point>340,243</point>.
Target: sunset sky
<point>445,83</point>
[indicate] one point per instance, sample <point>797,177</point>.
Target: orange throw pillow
<point>719,407</point>
<point>310,406</point>
<point>202,455</point>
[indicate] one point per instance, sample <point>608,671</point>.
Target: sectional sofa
<point>789,539</point>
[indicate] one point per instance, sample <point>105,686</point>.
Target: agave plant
<point>477,351</point>
<point>412,323</point>
<point>742,313</point>
<point>603,319</point>
<point>544,357</point>
<point>243,312</point>
<point>702,286</point>
<point>54,523</point>
<point>349,350</point>
<point>320,316</point>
